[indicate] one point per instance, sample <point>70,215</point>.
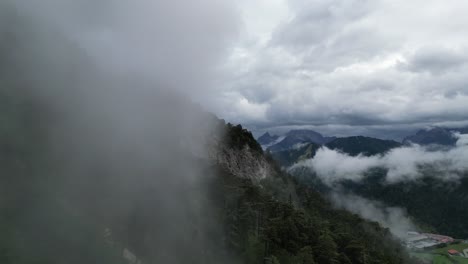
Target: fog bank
<point>124,147</point>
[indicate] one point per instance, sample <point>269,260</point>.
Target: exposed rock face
<point>244,163</point>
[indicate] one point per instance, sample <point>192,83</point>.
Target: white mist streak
<point>393,218</point>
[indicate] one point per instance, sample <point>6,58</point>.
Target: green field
<point>441,256</point>
<point>459,247</point>
<point>435,259</point>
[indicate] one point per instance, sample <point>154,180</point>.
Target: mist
<point>408,163</point>
<point>393,218</point>
<point>113,85</point>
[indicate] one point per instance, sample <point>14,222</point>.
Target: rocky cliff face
<point>241,155</point>
<point>244,163</point>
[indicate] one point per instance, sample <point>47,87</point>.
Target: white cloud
<point>333,165</point>
<point>394,218</point>
<point>402,164</point>
<point>355,63</point>
<point>462,140</point>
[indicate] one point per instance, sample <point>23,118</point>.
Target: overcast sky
<point>342,67</point>
<point>376,67</point>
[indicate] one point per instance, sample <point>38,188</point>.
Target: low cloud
<point>107,87</point>
<point>393,218</point>
<point>402,164</point>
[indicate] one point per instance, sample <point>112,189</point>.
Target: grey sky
<point>360,65</point>
<point>341,67</point>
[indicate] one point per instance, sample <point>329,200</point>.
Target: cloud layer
<point>356,63</point>
<point>402,164</point>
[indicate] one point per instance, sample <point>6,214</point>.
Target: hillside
<point>251,217</point>
<point>431,202</point>
<point>287,158</point>
<point>437,135</point>
<point>267,139</point>
<point>362,145</point>
<point>444,213</point>
<point>350,145</point>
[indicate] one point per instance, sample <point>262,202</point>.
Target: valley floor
<point>442,255</point>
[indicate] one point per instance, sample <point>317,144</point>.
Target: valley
<point>434,248</point>
<point>428,197</point>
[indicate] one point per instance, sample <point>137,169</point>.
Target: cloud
<point>436,60</point>
<point>394,218</point>
<point>332,165</point>
<point>110,85</point>
<point>354,63</point>
<point>462,139</point>
<point>179,43</point>
<point>402,164</point>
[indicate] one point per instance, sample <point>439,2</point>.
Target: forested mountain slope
<point>362,145</point>
<point>435,203</point>
<point>288,157</point>
<point>265,215</point>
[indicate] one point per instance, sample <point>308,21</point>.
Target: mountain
<point>267,139</point>
<point>287,158</point>
<point>247,210</point>
<point>445,215</point>
<point>429,201</point>
<point>434,205</point>
<point>461,130</point>
<point>296,138</point>
<point>350,145</point>
<point>362,145</point>
<point>433,136</point>
<point>264,218</point>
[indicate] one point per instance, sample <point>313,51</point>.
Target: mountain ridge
<point>296,137</point>
<point>360,145</point>
<point>266,138</point>
<point>436,135</point>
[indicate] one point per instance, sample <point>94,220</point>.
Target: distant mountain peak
<point>267,135</point>
<point>266,139</point>
<point>299,136</point>
<point>432,136</point>
<point>367,146</point>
